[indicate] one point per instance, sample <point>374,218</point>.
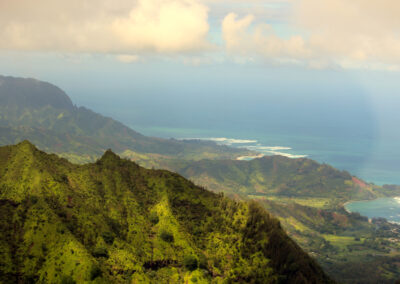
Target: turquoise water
<point>372,160</point>
<point>388,208</point>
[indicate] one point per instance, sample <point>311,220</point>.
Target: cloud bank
<point>313,33</point>
<point>161,26</point>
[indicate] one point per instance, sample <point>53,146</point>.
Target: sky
<point>129,58</point>
<point>311,33</point>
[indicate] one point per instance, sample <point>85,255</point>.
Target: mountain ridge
<point>278,176</point>
<point>30,108</point>
<point>113,221</point>
<point>308,198</point>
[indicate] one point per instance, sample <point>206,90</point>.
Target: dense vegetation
<point>308,199</point>
<point>113,221</point>
<point>279,176</point>
<point>44,114</point>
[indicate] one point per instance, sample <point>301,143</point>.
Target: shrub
<point>203,263</point>
<point>95,272</point>
<point>100,252</point>
<point>30,279</point>
<point>167,237</point>
<point>34,199</point>
<point>190,262</point>
<point>108,237</point>
<point>44,248</point>
<point>67,280</point>
<point>154,218</point>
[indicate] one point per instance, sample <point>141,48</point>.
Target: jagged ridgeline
<point>43,114</point>
<point>112,221</point>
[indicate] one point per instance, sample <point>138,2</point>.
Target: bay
<point>388,208</point>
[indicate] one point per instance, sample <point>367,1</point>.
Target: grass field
<point>341,241</point>
<point>311,202</point>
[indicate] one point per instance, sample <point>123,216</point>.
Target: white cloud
<point>347,34</point>
<point>244,38</point>
<point>162,26</point>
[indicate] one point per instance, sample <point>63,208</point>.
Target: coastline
<point>396,198</point>
<point>354,201</point>
<point>344,206</point>
<point>319,147</point>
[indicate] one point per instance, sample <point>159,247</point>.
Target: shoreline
<point>344,206</point>
<point>354,201</point>
<point>397,198</point>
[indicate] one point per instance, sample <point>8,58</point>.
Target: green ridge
<point>115,222</point>
<point>279,176</point>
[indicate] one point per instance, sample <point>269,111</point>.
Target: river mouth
<point>387,207</point>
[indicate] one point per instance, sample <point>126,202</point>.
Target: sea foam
<point>224,140</point>
<point>264,150</point>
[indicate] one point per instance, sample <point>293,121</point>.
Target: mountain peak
<point>26,145</point>
<point>109,155</point>
<point>29,92</point>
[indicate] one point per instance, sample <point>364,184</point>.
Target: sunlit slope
<point>44,114</point>
<point>280,176</point>
<point>113,221</point>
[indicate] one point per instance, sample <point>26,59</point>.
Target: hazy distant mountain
<point>44,114</point>
<point>113,222</point>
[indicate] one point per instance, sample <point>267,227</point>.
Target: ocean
<point>364,158</point>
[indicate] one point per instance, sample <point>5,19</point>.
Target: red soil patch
<point>359,182</point>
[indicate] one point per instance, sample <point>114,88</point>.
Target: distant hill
<point>44,114</point>
<point>113,222</point>
<point>278,176</point>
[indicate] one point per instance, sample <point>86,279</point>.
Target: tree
<point>190,262</point>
